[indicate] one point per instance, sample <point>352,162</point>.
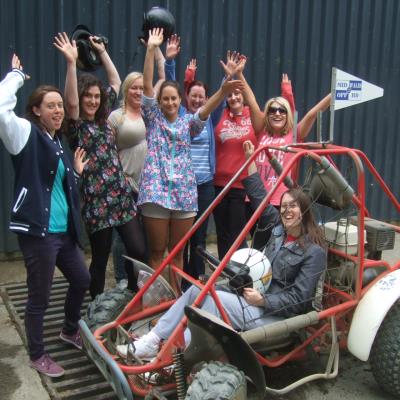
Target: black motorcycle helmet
<point>88,58</point>
<point>158,17</point>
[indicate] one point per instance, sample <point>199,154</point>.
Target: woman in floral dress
<point>167,192</point>
<point>106,194</point>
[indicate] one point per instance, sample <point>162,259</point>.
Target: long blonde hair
<point>126,84</point>
<point>289,115</point>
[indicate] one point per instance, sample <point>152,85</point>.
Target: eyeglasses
<point>288,206</point>
<point>273,110</point>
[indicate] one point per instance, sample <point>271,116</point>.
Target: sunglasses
<point>273,110</point>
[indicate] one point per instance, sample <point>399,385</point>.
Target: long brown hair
<point>35,100</point>
<point>86,81</point>
<point>309,227</point>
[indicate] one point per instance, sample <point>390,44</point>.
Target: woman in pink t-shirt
<point>273,126</point>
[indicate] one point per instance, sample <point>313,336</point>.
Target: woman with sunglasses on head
<point>274,126</point>
<point>167,192</point>
<point>106,194</point>
<point>297,253</point>
<point>45,214</point>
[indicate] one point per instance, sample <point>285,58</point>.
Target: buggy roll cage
<point>338,312</point>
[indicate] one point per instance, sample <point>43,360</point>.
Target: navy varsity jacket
<point>35,155</point>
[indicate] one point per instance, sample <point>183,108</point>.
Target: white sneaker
<point>145,347</point>
<point>122,284</point>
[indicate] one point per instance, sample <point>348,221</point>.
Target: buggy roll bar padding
<point>278,168</point>
<point>276,329</point>
<point>337,178</point>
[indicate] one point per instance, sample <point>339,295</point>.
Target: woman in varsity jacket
<point>45,211</point>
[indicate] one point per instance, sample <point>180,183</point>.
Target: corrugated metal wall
<point>304,38</point>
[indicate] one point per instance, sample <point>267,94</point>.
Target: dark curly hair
<point>86,81</point>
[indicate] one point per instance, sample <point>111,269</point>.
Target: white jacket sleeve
<point>14,131</point>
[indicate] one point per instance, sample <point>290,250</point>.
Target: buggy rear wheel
<point>106,307</point>
<point>385,353</point>
<point>218,381</point>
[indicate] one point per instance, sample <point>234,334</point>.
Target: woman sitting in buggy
<point>297,255</point>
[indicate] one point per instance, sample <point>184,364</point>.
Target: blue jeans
<point>41,255</point>
<point>242,315</point>
<point>193,263</point>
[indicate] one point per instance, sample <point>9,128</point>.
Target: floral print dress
<point>167,178</point>
<point>107,198</point>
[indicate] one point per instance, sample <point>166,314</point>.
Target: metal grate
<point>82,380</point>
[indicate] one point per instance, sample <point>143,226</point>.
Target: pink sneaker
<point>74,339</point>
<point>47,366</point>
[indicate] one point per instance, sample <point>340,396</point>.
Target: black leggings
<point>230,219</point>
<point>132,236</point>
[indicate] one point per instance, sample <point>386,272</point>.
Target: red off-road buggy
<point>357,306</point>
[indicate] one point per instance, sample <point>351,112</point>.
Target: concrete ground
<point>19,382</point>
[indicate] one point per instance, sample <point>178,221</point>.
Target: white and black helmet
<point>258,265</point>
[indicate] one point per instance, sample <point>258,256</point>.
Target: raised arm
<point>212,103</point>
<point>112,74</point>
<point>308,120</point>
<point>287,91</point>
<point>155,40</point>
<point>160,61</point>
<point>190,74</point>
<point>172,49</point>
<point>256,115</point>
<point>14,131</point>
<point>256,192</point>
<point>70,51</point>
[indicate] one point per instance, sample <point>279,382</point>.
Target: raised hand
<point>285,78</point>
<point>241,64</point>
<point>79,164</point>
<point>16,64</point>
<point>248,148</point>
<point>232,61</point>
<point>156,38</point>
<point>192,65</point>
<point>98,46</point>
<point>173,47</point>
<point>230,85</point>
<point>68,48</point>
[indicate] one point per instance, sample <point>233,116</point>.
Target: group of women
<point>153,162</point>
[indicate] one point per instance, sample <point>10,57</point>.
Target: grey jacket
<point>295,269</point>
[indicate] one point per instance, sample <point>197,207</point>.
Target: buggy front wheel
<point>218,381</point>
